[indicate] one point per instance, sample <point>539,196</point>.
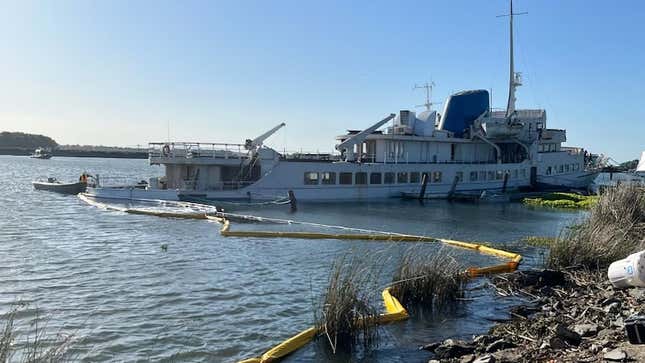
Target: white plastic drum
<point>628,272</point>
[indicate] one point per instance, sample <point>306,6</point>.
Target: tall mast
<point>514,78</point>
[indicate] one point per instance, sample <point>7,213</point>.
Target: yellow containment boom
<point>393,307</point>
<point>394,310</point>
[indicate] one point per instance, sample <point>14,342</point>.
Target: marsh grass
<point>614,229</point>
<point>347,316</point>
<point>39,347</point>
<point>563,200</point>
<point>431,280</point>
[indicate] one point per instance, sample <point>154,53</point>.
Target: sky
<point>125,73</point>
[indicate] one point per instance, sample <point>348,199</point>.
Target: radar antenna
<point>428,87</point>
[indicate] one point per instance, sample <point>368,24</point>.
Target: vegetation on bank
<point>430,281</point>
<point>563,200</point>
<point>21,140</point>
<point>37,347</point>
<point>347,316</point>
<point>614,229</point>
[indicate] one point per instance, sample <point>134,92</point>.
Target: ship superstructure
<point>467,148</point>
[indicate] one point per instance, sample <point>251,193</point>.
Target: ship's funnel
<point>462,109</point>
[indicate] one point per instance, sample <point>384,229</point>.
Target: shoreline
<point>80,153</point>
<point>567,317</point>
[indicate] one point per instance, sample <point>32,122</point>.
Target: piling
<point>505,183</point>
<point>424,184</point>
<point>292,201</point>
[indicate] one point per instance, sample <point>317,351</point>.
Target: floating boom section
<point>462,109</point>
<point>257,142</point>
<point>348,145</point>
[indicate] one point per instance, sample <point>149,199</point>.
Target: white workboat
<point>467,148</point>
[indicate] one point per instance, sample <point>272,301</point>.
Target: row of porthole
<point>361,178</point>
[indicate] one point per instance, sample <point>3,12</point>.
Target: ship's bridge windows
<point>473,176</point>
<point>402,178</point>
<point>436,177</point>
<point>360,178</point>
<point>375,178</point>
<point>576,167</point>
<point>566,167</point>
<point>389,178</point>
<point>311,178</point>
<point>560,168</point>
<point>482,175</point>
<point>460,176</point>
<point>499,175</point>
<point>548,170</point>
<point>515,174</point>
<point>491,175</point>
<point>345,178</point>
<point>523,173</point>
<point>328,178</point>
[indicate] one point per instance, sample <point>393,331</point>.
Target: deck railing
<point>191,150</point>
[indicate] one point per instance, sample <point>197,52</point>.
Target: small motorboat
<point>42,153</point>
<point>53,185</point>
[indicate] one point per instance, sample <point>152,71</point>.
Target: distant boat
<point>53,185</point>
<point>42,153</point>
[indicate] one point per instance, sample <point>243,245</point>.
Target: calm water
<point>102,275</point>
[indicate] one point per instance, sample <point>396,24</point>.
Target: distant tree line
<point>628,165</point>
<point>22,140</point>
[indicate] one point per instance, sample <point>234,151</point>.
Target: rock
<point>434,361</point>
<point>484,339</point>
<point>557,343</point>
<point>452,348</point>
<point>508,356</point>
<point>595,348</point>
<point>612,308</point>
<point>468,358</point>
<point>430,347</point>
<point>610,301</point>
<point>618,323</point>
<point>638,294</point>
<point>485,359</point>
<point>586,330</point>
<point>616,355</point>
<point>568,335</point>
<point>499,345</point>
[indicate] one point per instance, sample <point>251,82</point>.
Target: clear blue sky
<point>116,72</point>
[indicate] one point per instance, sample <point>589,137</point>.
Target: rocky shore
<point>568,317</point>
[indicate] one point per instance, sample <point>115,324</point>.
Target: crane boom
<point>257,142</point>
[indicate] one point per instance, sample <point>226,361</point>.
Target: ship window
<point>415,177</point>
<point>311,178</point>
<point>473,176</point>
<point>566,167</point>
<point>460,176</point>
<point>576,167</point>
<point>328,178</point>
<point>360,178</point>
<point>375,178</point>
<point>482,175</point>
<point>515,174</point>
<point>452,152</point>
<point>498,175</point>
<point>402,178</point>
<point>541,148</point>
<point>491,175</point>
<point>389,178</point>
<point>561,169</point>
<point>548,170</point>
<point>345,178</point>
<point>523,173</point>
<point>436,177</point>
<point>538,126</point>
